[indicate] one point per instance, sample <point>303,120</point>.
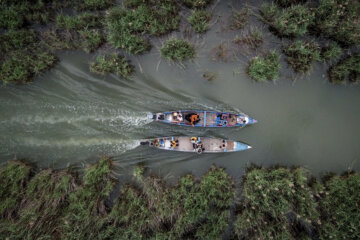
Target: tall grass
<point>264,68</point>
<point>289,22</point>
<point>347,68</point>
<point>301,55</point>
<point>177,50</point>
<point>113,63</point>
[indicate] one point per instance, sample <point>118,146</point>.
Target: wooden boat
<point>195,144</point>
<point>204,118</point>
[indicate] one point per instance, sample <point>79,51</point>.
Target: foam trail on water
<point>119,145</point>
<point>126,118</point>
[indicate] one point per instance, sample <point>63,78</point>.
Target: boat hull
<point>206,118</point>
<point>191,144</point>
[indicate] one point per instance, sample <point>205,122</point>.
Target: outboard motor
<point>144,143</point>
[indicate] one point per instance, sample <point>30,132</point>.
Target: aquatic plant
<point>239,18</point>
<point>275,203</point>
<point>177,50</point>
<point>331,51</point>
<point>301,55</point>
<point>13,179</point>
<point>78,22</point>
<point>113,63</point>
<point>205,204</point>
<point>338,20</point>
<point>196,3</point>
<point>130,216</point>
<point>271,198</point>
<point>127,28</point>
<point>42,207</point>
<point>91,39</point>
<point>264,68</point>
<point>22,66</point>
<point>210,76</point>
<point>290,22</point>
<point>92,4</point>
<point>339,207</point>
<point>222,52</point>
<point>253,37</point>
<point>287,3</point>
<point>84,217</point>
<point>199,20</point>
<point>347,68</point>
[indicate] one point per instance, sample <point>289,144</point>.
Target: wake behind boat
<point>196,144</point>
<point>203,118</point>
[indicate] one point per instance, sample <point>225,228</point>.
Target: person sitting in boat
<point>193,118</point>
<point>174,144</point>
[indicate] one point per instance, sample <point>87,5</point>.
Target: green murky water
<point>71,116</point>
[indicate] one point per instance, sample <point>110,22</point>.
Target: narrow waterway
<point>70,116</point>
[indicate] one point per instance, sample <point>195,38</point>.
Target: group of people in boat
<point>192,118</point>
<point>197,145</point>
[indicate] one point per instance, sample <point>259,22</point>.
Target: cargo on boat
<point>203,118</point>
<point>196,144</point>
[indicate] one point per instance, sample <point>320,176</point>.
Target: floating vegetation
<point>199,20</point>
<point>177,50</point>
<point>222,52</point>
<point>265,68</point>
<point>301,55</point>
<point>276,202</point>
<point>338,20</point>
<point>331,51</point>
<point>210,76</point>
<point>239,18</point>
<point>113,63</point>
<point>253,38</point>
<point>289,22</point>
<point>126,28</point>
<point>348,68</point>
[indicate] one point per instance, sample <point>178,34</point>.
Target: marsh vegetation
<point>275,202</point>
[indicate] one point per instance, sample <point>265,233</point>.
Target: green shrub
<point>290,22</point>
<point>348,68</point>
<point>112,64</point>
<point>331,51</point>
<point>199,20</point>
<point>301,55</point>
<point>197,3</point>
<point>264,68</point>
<point>339,20</point>
<point>177,50</point>
<point>85,20</point>
<point>339,203</point>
